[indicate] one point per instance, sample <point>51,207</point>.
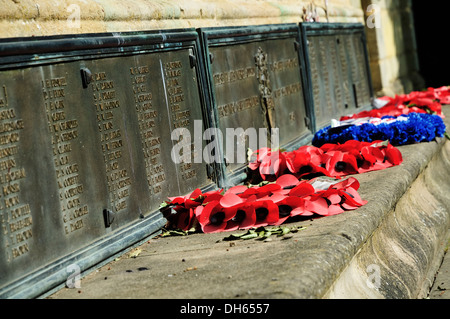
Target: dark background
<point>432,26</point>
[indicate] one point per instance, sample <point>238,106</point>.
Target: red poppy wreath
<point>429,101</point>
<point>271,204</point>
<point>283,191</point>
<point>332,160</point>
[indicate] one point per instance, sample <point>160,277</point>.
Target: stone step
<point>389,248</point>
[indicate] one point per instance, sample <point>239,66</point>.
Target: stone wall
<point>50,17</point>
<point>392,48</point>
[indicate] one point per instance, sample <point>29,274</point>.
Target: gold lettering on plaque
<point>234,75</point>
<point>107,104</point>
<point>64,132</point>
<point>15,215</point>
<point>238,106</point>
<point>146,115</point>
<point>179,113</point>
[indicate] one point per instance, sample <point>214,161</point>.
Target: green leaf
<point>239,235</point>
<point>447,135</point>
<point>232,237</point>
<point>296,229</point>
<point>174,232</point>
<point>192,230</point>
<point>135,253</point>
<point>199,199</point>
<point>235,236</point>
<point>384,143</point>
<point>249,154</point>
<point>163,205</point>
<point>267,234</point>
<point>263,233</point>
<point>249,236</point>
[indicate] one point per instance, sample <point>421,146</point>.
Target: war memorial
<point>125,124</point>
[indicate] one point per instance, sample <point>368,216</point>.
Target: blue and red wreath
<point>402,130</point>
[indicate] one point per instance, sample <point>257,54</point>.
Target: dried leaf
<point>263,233</point>
<point>177,232</point>
<point>284,231</point>
<point>135,253</point>
<point>234,236</point>
<point>267,234</point>
<point>296,229</point>
<point>249,236</point>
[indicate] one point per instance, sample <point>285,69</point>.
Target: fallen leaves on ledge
<point>263,233</point>
<point>135,253</point>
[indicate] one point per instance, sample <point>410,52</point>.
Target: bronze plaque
<point>257,83</point>
<point>85,148</point>
<point>337,69</point>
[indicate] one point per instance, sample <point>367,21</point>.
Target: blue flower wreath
<point>416,128</point>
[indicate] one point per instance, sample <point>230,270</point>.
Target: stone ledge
<point>408,245</point>
<point>400,230</point>
<point>21,18</point>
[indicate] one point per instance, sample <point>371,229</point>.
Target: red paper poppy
<point>393,155</point>
<point>244,216</point>
<point>239,189</point>
<point>316,205</point>
<point>180,218</point>
<point>257,157</point>
<point>273,165</point>
<point>303,189</point>
<point>270,164</point>
<point>423,102</point>
<point>241,210</point>
<point>351,147</point>
<point>188,201</point>
<point>340,163</point>
<point>287,181</point>
<point>333,199</point>
<point>213,217</point>
<point>251,191</point>
<point>351,199</point>
<point>442,94</point>
<point>338,196</point>
<point>260,191</point>
<point>212,195</point>
<point>305,161</point>
<point>266,212</point>
<point>350,182</point>
<point>289,206</point>
<point>230,199</point>
<point>349,193</point>
<point>367,158</point>
<point>371,158</point>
